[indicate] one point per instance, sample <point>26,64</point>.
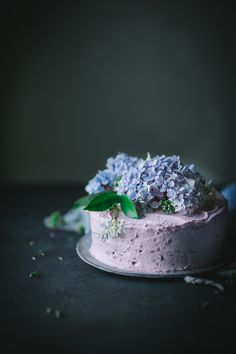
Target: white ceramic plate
<point>82,249</point>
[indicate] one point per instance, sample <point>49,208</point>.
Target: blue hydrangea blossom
<point>148,181</point>
<point>229,192</point>
<point>115,168</point>
<point>154,179</point>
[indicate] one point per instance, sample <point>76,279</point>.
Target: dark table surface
<point>101,312</point>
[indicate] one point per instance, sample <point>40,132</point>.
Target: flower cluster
<point>159,178</point>
<point>115,168</point>
<point>150,181</point>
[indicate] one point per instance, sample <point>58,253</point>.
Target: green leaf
<point>167,206</point>
<point>103,201</point>
<point>127,206</point>
<point>34,275</point>
<point>82,231</point>
<point>83,201</point>
<point>107,200</point>
<point>56,219</point>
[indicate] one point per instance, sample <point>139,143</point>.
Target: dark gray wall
<point>82,82</point>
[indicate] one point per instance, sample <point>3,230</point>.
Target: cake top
<point>154,184</point>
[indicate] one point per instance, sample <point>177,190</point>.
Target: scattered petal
<point>200,281</point>
<point>58,314</point>
<point>48,310</point>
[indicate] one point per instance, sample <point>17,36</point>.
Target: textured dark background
<point>84,80</point>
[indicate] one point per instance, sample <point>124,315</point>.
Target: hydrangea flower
<point>103,179</point>
<point>161,177</point>
<point>148,182</point>
<point>115,168</point>
<point>229,192</point>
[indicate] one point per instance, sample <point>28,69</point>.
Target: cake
<point>154,216</point>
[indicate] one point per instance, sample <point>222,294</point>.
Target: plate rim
<point>84,254</point>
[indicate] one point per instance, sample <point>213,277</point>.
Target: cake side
<point>161,243</point>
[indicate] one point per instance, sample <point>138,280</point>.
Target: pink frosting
<point>161,243</point>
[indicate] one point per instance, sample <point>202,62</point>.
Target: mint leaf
<point>102,201</point>
<point>127,206</point>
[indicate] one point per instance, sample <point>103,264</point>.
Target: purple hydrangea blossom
<point>97,183</point>
<point>160,177</point>
<point>149,181</point>
<point>115,167</point>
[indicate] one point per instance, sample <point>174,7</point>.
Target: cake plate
<point>82,249</point>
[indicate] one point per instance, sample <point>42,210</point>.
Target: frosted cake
<point>154,215</point>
